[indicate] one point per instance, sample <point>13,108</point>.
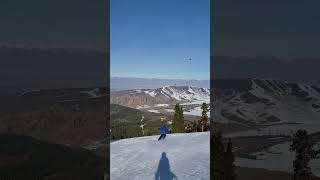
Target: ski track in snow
<point>161,105</point>
<point>143,107</point>
<point>169,110</point>
<point>138,158</point>
<point>196,112</point>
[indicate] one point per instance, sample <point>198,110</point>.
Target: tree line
<point>179,125</point>
<point>222,158</point>
<point>302,144</point>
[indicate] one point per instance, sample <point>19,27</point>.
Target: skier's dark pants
<point>162,136</point>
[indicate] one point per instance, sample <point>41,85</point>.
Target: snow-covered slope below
<point>186,156</point>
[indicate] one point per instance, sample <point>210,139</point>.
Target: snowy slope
<point>267,102</point>
<point>180,93</point>
<point>185,93</point>
<point>187,156</point>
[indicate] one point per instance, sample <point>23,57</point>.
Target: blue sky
<point>54,24</point>
<point>153,38</point>
<point>284,28</point>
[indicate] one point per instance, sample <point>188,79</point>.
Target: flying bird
<point>189,59</point>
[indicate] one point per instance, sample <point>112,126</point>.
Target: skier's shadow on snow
<point>163,171</point>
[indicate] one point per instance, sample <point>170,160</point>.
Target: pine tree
<point>175,118</point>
<point>303,147</point>
<point>229,162</point>
<point>181,120</point>
<point>178,119</point>
<point>204,118</point>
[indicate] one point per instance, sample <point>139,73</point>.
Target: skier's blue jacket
<point>164,129</point>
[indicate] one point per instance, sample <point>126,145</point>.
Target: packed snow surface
<point>183,155</point>
<point>169,110</point>
<point>162,105</point>
<point>153,111</point>
<point>143,107</point>
<point>196,112</point>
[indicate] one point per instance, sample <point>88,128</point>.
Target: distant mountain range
<point>253,103</point>
<point>162,100</point>
<point>266,67</point>
<point>263,102</point>
<point>126,83</point>
<point>164,95</point>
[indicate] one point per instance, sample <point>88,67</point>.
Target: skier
<point>163,131</point>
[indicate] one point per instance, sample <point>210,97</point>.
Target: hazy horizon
<point>125,83</point>
<point>266,28</point>
<point>159,78</point>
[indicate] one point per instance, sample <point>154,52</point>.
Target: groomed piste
<point>184,156</point>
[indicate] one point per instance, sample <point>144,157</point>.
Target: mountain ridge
<point>164,95</point>
<point>127,83</point>
<point>267,103</point>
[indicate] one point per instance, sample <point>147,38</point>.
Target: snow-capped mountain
<point>127,83</point>
<point>163,99</point>
<point>161,96</point>
<point>181,93</point>
<point>257,102</point>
